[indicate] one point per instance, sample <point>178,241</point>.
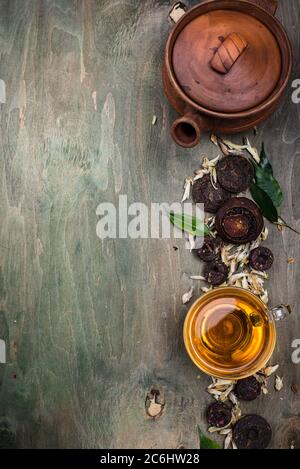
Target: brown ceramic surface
<point>248,82</point>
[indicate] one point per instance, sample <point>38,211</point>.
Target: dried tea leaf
<point>278,383</point>
<point>280,227</point>
<point>187,296</point>
<point>289,308</point>
<point>295,388</point>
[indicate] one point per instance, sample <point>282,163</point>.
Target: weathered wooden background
<point>93,326</point>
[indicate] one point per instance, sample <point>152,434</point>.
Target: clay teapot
<point>227,64</point>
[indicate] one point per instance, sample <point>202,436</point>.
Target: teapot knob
<point>228,53</point>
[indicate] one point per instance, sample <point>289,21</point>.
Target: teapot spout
<point>187,130</point>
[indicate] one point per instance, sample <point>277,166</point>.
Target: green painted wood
<point>93,326</point>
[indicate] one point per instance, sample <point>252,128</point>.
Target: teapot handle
<point>269,5</point>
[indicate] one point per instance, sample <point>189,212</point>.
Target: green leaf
<point>264,161</point>
<point>265,203</point>
<point>266,181</point>
<point>207,443</point>
<point>189,224</point>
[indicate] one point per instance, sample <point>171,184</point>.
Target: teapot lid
<point>227,60</point>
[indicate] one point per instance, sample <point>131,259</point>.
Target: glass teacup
<point>230,333</point>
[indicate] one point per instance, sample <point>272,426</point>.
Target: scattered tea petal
<point>278,383</point>
<point>187,296</point>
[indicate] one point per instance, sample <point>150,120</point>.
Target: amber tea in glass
<point>230,333</point>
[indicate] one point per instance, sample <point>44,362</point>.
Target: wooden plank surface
<point>93,326</point>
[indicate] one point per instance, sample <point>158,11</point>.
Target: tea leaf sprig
<point>190,224</point>
<point>205,442</point>
<point>266,191</point>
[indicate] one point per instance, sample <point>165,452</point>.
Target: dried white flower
<point>253,151</point>
<point>236,414</point>
<point>197,277</point>
<point>278,383</point>
<point>269,370</point>
<point>265,297</point>
<point>234,146</point>
<point>154,120</point>
<point>225,394</point>
<point>225,431</point>
<point>213,429</point>
<point>200,174</point>
<point>187,189</point>
<point>228,440</point>
<point>192,242</point>
<point>213,178</point>
<point>233,267</point>
<point>214,139</point>
<point>260,274</point>
<point>264,235</point>
<point>187,296</point>
<point>233,398</point>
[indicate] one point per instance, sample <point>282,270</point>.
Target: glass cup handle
<point>280,312</point>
